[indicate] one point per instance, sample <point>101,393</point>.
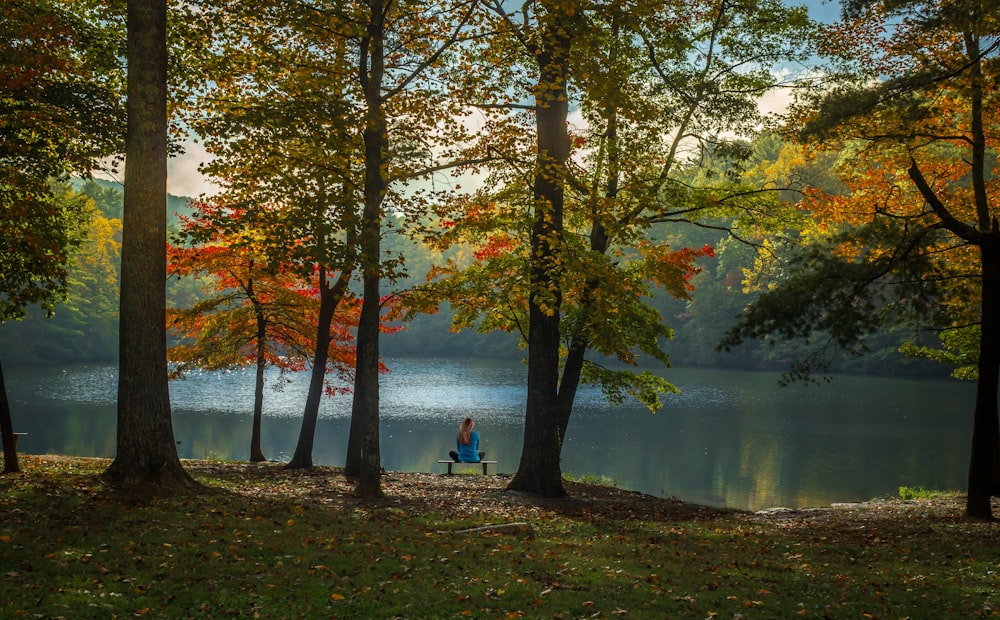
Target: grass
<point>271,543</point>
<point>592,479</point>
<point>908,493</point>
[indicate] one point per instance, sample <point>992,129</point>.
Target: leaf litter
<point>463,545</point>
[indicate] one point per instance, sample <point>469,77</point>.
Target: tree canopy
<point>912,236</point>
<point>563,230</point>
<point>257,310</point>
<point>60,112</point>
<point>628,184</point>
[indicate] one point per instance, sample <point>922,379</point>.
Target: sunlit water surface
<point>730,438</point>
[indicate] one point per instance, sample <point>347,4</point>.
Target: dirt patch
<point>456,495</point>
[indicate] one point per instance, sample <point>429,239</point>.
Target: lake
<point>732,438</point>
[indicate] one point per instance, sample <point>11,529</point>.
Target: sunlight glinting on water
<point>731,438</point>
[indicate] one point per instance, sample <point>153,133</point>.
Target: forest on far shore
<point>84,328</point>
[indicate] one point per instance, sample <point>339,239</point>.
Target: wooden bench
<point>16,436</point>
<point>450,462</point>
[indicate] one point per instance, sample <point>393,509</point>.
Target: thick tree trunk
<point>366,464</point>
<point>539,470</point>
<point>10,464</point>
<point>995,482</point>
<point>256,454</point>
<point>985,423</point>
<point>365,408</point>
<point>147,453</point>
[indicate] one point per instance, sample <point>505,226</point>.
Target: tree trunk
<point>352,462</point>
<point>367,463</point>
<point>985,422</point>
<point>995,482</point>
<point>599,241</point>
<point>256,454</point>
<point>145,439</point>
<point>539,470</point>
<point>578,346</point>
<point>328,302</point>
<point>10,464</point>
<point>570,383</point>
<point>365,408</point>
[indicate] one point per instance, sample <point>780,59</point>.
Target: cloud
<point>775,101</point>
<point>183,177</point>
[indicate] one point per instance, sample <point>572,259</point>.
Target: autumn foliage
<point>256,308</point>
<point>911,237</point>
<point>60,112</point>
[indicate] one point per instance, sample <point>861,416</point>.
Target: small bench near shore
<point>450,462</point>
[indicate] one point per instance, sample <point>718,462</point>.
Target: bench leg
<point>484,468</point>
<point>449,469</point>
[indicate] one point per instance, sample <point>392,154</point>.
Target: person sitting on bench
<point>467,443</point>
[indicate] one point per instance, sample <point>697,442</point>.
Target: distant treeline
<point>84,329</point>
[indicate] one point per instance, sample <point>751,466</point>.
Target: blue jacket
<point>469,453</point>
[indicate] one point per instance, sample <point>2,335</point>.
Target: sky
<point>184,179</point>
<point>821,10</point>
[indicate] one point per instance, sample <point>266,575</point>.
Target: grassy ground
<point>271,543</point>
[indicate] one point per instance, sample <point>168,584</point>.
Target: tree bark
<point>365,407</point>
<point>10,464</point>
<point>256,454</point>
<point>985,421</point>
<point>599,242</point>
<point>146,452</point>
<point>352,461</point>
<point>367,462</point>
<point>539,470</point>
<point>330,298</point>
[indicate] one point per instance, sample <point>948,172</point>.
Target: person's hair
<point>465,431</point>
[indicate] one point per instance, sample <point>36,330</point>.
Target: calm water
<point>731,439</point>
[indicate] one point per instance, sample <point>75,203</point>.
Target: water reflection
<point>730,439</point>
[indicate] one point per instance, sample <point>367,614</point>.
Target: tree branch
<point>948,220</point>
<point>433,57</point>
